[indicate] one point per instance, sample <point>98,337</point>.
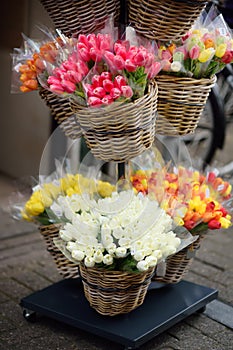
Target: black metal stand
<point>162,308</point>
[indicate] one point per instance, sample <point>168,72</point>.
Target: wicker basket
<point>164,20</point>
<point>84,16</point>
<point>180,103</point>
<point>120,131</point>
<point>114,292</point>
<point>61,111</point>
<point>178,265</point>
<point>65,267</point>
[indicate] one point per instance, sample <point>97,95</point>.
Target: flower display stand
<point>163,307</point>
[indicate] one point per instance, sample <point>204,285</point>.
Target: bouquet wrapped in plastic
<point>203,52</point>
<point>196,201</point>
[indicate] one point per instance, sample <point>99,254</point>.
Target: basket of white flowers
<point>128,235</point>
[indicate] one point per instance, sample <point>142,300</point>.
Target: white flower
<point>98,256</point>
<point>71,246</point>
<point>176,66</point>
<point>125,242</point>
<point>89,261</point>
<point>151,260</point>
<point>111,248</point>
<point>139,255</point>
<point>108,259</point>
<point>78,255</point>
<point>121,252</point>
<point>142,266</point>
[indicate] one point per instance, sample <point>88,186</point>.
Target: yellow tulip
<point>178,221</point>
<point>206,55</point>
<point>220,50</point>
<point>224,222</point>
<point>52,189</point>
<point>105,189</point>
<point>196,204</point>
<point>34,208</point>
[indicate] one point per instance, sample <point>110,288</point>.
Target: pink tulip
<point>109,58</point>
<point>194,52</point>
<point>68,86</point>
<point>107,100</point>
<point>119,62</point>
<point>127,91</point>
<point>119,81</point>
<point>68,65</point>
<point>106,75</point>
<point>82,39</point>
<point>95,54</point>
<point>115,93</point>
<point>153,70</point>
<point>133,50</point>
<point>73,76</point>
<point>227,57</point>
<point>108,85</point>
<point>58,73</point>
<point>130,66</point>
<point>89,89</point>
<point>96,81</point>
<point>57,88</point>
<point>84,54</point>
<point>120,50</point>
<point>99,92</point>
<point>82,68</point>
<point>104,42</point>
<point>53,80</point>
<point>140,58</point>
<point>94,101</point>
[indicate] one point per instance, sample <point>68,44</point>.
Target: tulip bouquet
<point>41,206</point>
<point>203,51</point>
<point>100,70</point>
<point>126,232</point>
<point>196,201</point>
<point>30,61</point>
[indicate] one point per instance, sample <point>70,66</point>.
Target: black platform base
<point>162,308</point>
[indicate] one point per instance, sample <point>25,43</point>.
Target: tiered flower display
<point>193,200</point>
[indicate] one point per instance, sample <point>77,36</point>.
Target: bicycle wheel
<point>210,133</point>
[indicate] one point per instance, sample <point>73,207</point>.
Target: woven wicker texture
<point>164,20</point>
<point>180,103</point>
<point>114,292</point>
<point>65,267</point>
<point>177,265</point>
<point>61,111</point>
<point>120,131</point>
<point>84,16</point>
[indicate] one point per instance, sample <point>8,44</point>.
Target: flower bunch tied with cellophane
<point>195,200</point>
<point>122,232</point>
<point>33,58</point>
<point>203,52</point>
<point>41,206</point>
<point>100,69</point>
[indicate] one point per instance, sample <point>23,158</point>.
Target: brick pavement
<point>26,266</point>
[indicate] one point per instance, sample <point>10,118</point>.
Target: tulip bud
<point>108,85</point>
<point>94,101</point>
<point>127,91</point>
<point>119,81</point>
<point>115,93</point>
<point>68,86</point>
<point>99,92</point>
<point>130,66</point>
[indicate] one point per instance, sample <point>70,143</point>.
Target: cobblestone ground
<point>26,266</point>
